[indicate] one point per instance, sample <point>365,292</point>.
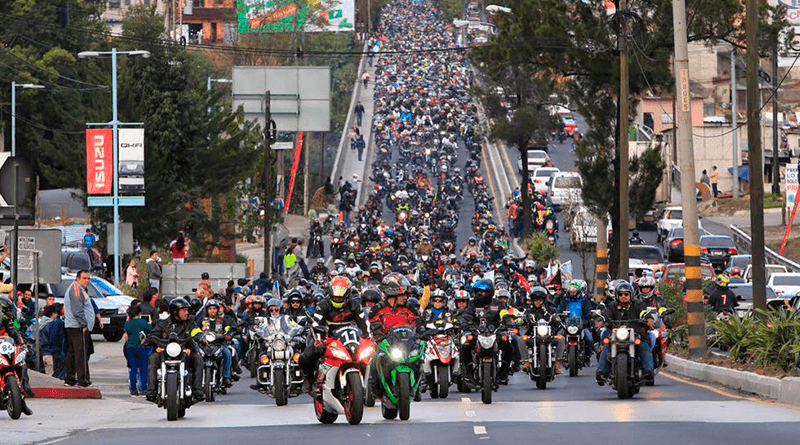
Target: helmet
<point>483,292</point>
<point>395,284</point>
<point>646,282</point>
<point>624,286</point>
<point>439,294</point>
<point>295,296</point>
<point>736,272</point>
<point>176,305</point>
<point>320,262</point>
<point>7,309</point>
<point>371,294</point>
<point>204,276</point>
<point>461,295</point>
<point>538,293</point>
<point>722,280</point>
<point>259,299</point>
<point>502,293</point>
<point>574,288</point>
<point>212,303</point>
<point>413,302</point>
<point>340,291</point>
<point>274,302</point>
<point>195,304</point>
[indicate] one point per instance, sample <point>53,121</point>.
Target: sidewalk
<point>351,165</point>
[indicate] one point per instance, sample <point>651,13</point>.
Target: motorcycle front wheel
<point>208,384</point>
<point>172,396</point>
<point>13,397</point>
<point>486,380</point>
<point>279,387</point>
<point>354,399</point>
<point>541,381</point>
<point>404,395</point>
<point>621,377</point>
<point>443,376</point>
<point>573,361</point>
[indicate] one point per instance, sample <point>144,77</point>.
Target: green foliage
<point>540,249</point>
<point>451,9</point>
<point>672,294</point>
<point>768,339</point>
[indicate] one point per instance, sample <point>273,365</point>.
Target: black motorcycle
<point>175,377</point>
<point>211,351</point>
<point>541,345</point>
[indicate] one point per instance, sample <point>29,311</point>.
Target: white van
<point>564,188</point>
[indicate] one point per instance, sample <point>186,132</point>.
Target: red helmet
<point>538,205</point>
<point>735,272</point>
<point>340,291</point>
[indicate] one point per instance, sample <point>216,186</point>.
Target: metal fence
<point>743,243</point>
<point>182,279</point>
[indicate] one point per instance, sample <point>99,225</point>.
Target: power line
<point>8,51</point>
<point>51,84</point>
<point>41,127</point>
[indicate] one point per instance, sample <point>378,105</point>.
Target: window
<point>113,4</point>
<point>666,118</point>
<point>197,3</point>
<point>567,182</point>
<point>213,31</point>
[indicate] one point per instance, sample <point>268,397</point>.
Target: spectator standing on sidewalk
<point>714,180</point>
<point>78,321</point>
<point>360,145</point>
<point>138,354</point>
<point>154,270</point>
<point>179,249</point>
<point>131,274</point>
<point>365,78</point>
<point>51,340</point>
<point>359,109</point>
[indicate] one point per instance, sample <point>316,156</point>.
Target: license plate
<point>717,253</point>
<point>105,320</point>
<point>131,166</point>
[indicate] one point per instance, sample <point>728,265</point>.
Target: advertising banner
<point>287,15</point>
<point>99,161</point>
<point>131,161</point>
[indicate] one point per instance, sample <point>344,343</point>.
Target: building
<point>117,9</point>
<point>210,21</point>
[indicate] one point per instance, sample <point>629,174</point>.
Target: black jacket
<point>722,297</point>
<point>327,315</point>
<point>161,332</point>
<point>615,313</point>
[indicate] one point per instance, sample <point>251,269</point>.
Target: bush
<point>773,339</point>
<point>540,249</point>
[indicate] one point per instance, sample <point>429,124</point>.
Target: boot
<point>307,384</point>
<point>198,395</point>
<point>25,409</point>
<point>557,366</point>
<point>601,378</point>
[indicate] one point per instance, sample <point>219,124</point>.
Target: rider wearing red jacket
<point>393,312</point>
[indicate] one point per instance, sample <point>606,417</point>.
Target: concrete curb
<point>66,393</point>
<point>786,390</point>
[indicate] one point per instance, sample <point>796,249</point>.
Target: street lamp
<point>14,87</point>
<point>492,9</point>
<point>115,131</point>
<point>208,85</point>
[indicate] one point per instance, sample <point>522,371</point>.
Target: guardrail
<point>744,242</point>
<point>344,143</point>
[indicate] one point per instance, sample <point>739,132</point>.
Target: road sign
<point>125,238</point>
<point>8,189</point>
<point>791,184</point>
<point>282,145</point>
<point>48,244</point>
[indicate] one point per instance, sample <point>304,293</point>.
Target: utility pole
<point>268,136</point>
<point>305,173</point>
<point>622,236</point>
<point>601,262</point>
<point>691,240</point>
<point>527,213</point>
<point>755,157</point>
<point>734,124</point>
<point>776,177</point>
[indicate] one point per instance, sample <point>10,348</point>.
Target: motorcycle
<point>576,349</point>
<point>341,377</point>
<point>256,335</point>
<point>336,245</point>
<point>398,371</point>
<point>484,360</point>
<point>541,352</point>
<point>211,352</point>
<point>279,373</point>
<point>174,377</point>
<point>316,248</point>
<point>626,376</point>
<point>12,359</point>
<point>441,358</point>
<point>662,339</point>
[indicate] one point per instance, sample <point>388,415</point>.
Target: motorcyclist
<point>180,324</point>
<point>647,292</point>
<point>736,276</point>
<point>484,310</point>
<point>215,322</point>
<point>335,310</point>
<point>394,311</point>
<point>541,309</point>
<point>472,246</point>
<point>635,238</point>
<point>722,298</point>
<point>438,309</point>
<point>295,311</point>
<point>8,314</point>
<point>319,269</point>
<point>577,305</point>
<point>625,308</point>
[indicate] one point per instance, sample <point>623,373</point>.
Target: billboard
<point>131,161</point>
<point>99,161</point>
<point>284,15</point>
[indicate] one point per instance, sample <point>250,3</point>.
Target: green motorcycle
<point>398,367</point>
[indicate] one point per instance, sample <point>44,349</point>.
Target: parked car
<point>740,261</point>
<point>648,254</point>
<point>785,284</point>
<point>541,178</point>
<point>768,268</point>
<point>536,159</point>
<point>718,249</point>
<point>744,297</point>
<point>649,221</point>
<point>675,271</point>
<point>565,188</point>
<point>76,259</point>
<point>671,217</point>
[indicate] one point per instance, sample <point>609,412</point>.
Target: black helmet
<point>195,304</point>
<point>212,303</point>
<point>482,293</point>
<point>295,296</point>
<point>624,287</point>
<point>176,305</point>
<point>395,284</point>
<point>371,294</point>
<point>538,293</point>
<point>7,309</point>
<point>413,302</point>
<point>204,276</point>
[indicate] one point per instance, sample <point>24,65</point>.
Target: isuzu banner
<point>99,161</point>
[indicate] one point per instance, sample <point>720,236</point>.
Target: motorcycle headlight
<point>543,330</point>
<point>340,354</point>
<point>210,338</point>
<point>396,354</point>
<point>20,358</point>
<point>486,341</point>
<point>365,353</point>
<point>173,349</point>
<point>572,330</point>
<point>622,334</point>
<point>279,344</point>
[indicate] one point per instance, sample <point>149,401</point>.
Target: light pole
<point>208,85</point>
<point>14,87</point>
<point>115,132</point>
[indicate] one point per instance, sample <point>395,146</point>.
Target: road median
<point>46,387</point>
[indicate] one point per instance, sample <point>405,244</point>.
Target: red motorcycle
<point>441,364</point>
<point>342,376</point>
<point>12,358</point>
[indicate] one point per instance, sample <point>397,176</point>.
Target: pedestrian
<point>28,307</point>
<point>154,270</point>
<point>131,274</point>
<point>178,249</point>
<point>204,291</point>
<point>359,109</point>
<point>149,305</point>
<point>51,340</point>
<point>301,258</point>
<point>704,179</point>
<point>78,322</point>
<point>360,145</point>
<point>714,180</point>
<point>278,204</point>
<point>89,239</point>
<point>365,78</point>
<point>138,353</point>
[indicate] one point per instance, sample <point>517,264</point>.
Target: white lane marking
<point>466,400</point>
<point>470,413</point>
<point>479,429</point>
<point>49,442</point>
